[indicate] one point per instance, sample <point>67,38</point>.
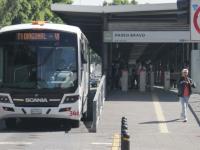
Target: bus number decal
<point>74,113</point>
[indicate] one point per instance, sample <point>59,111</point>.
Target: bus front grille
<point>36,101</point>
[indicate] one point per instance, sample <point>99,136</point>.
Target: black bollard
<point>124,127</point>
<point>125,141</point>
<point>125,137</point>
<point>123,123</point>
<point>124,119</point>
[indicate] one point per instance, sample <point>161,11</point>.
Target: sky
<point>99,2</point>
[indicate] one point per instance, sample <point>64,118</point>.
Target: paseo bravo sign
<point>195,20</point>
<point>128,36</point>
<point>146,36</point>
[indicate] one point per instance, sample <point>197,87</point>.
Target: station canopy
<point>93,20</point>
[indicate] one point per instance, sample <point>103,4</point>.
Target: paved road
<point>152,119</point>
<point>37,134</point>
<point>195,106</point>
<point>50,135</point>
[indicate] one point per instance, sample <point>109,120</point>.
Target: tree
<point>119,2</point>
<point>62,1</point>
<point>105,3</point>
<point>125,2</point>
<point>133,2</point>
<point>24,11</point>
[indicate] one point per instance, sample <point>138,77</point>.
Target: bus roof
<point>48,26</point>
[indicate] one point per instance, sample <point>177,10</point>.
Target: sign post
<point>195,20</point>
<point>195,37</point>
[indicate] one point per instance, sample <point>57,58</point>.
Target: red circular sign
<point>195,20</point>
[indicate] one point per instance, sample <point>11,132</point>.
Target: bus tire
<point>75,123</point>
<point>84,117</point>
<point>89,111</point>
<point>10,123</point>
<point>84,113</point>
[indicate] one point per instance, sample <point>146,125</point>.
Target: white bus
<point>44,72</point>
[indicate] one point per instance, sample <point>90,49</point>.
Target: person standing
<point>184,91</point>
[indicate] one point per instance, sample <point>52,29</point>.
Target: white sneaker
<point>185,120</point>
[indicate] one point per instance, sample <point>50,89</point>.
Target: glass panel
<point>54,72</point>
<point>39,60</point>
<point>19,66</point>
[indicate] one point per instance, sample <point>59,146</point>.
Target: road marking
<point>94,143</point>
<point>116,142</point>
<point>159,113</point>
<point>15,143</point>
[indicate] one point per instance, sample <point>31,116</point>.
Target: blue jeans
<point>184,103</point>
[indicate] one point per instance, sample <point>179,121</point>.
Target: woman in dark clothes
<point>184,91</point>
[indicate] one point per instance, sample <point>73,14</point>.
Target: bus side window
<point>1,65</point>
<point>83,51</point>
<point>87,50</point>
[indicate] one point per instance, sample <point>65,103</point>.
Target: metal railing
<point>98,103</point>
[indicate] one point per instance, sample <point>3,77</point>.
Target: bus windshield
<point>38,60</point>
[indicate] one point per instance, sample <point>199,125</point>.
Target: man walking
<point>184,91</point>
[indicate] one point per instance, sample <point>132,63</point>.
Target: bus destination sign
<point>38,36</point>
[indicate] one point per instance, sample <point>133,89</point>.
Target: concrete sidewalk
<point>194,104</point>
<point>145,127</point>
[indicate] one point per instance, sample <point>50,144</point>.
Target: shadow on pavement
<point>40,125</point>
<point>156,122</point>
<point>135,95</point>
<point>88,125</point>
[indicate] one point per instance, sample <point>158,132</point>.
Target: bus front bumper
<point>65,111</point>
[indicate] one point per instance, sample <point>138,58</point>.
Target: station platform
<point>153,121</point>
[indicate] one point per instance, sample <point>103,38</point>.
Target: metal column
<point>105,52</point>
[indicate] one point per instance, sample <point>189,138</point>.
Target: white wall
<point>195,69</point>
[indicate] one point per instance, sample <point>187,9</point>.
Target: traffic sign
<point>195,20</point>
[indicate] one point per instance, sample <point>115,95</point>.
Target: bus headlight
<point>4,99</point>
<point>71,99</point>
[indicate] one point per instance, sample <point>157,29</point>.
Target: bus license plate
<point>36,111</point>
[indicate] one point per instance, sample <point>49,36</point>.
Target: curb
<point>195,115</point>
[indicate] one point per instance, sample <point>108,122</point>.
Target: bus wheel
<point>90,109</point>
<point>75,123</point>
<point>10,123</point>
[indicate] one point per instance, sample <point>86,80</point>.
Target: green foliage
<point>119,2</point>
<point>133,2</point>
<point>94,58</point>
<point>62,1</point>
<point>105,3</point>
<point>24,11</point>
<point>125,2</point>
